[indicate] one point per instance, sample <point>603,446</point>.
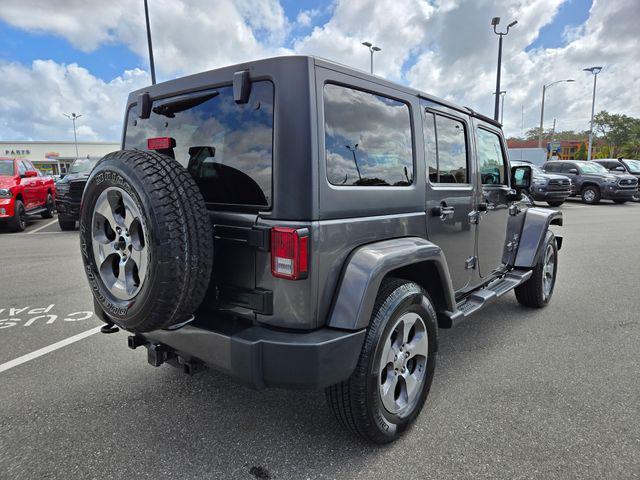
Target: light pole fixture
<point>73,117</point>
<point>494,22</point>
<point>372,48</point>
<point>544,91</point>
<point>355,160</point>
<point>151,63</point>
<point>595,71</point>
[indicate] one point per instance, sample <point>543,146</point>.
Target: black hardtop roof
<point>322,62</point>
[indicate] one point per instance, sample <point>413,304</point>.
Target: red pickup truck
<point>23,191</point>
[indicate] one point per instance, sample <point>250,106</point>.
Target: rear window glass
<point>227,147</point>
<point>6,167</point>
<point>367,139</point>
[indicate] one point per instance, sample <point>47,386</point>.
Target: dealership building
<point>53,158</point>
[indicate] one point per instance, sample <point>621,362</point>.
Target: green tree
<point>620,132</point>
<point>581,154</point>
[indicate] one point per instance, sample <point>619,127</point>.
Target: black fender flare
<point>534,230</point>
<point>368,265</point>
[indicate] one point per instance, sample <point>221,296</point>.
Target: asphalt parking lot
<point>518,393</point>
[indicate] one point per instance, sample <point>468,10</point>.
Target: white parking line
<point>43,226</point>
<point>49,349</point>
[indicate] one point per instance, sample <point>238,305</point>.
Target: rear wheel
<point>555,204</point>
<point>48,213</point>
<point>66,224</point>
<point>19,220</point>
<point>146,240</point>
<point>393,376</point>
<point>591,195</point>
<point>537,291</point>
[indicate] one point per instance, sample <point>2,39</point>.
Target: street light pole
<point>73,117</point>
<point>503,93</point>
<point>544,91</point>
<point>595,71</point>
<point>151,63</point>
<point>494,22</point>
<point>372,48</point>
<point>355,160</point>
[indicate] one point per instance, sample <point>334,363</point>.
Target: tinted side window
<point>22,168</point>
<point>552,167</point>
<point>367,138</point>
<point>490,158</point>
<point>566,167</point>
<point>446,144</point>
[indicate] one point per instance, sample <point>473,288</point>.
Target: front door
<point>450,192</point>
<point>493,207</point>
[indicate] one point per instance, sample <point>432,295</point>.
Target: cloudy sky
<point>84,56</point>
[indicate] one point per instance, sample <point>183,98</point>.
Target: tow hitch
<point>158,353</point>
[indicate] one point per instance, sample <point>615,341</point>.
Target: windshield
<point>592,168</point>
<point>633,165</point>
<point>6,167</point>
<point>82,165</point>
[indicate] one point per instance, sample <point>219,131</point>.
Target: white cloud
<point>444,47</point>
<point>34,98</point>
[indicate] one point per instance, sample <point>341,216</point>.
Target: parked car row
<point>70,188</point>
<point>603,179</point>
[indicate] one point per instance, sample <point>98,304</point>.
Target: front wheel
<point>537,291</point>
<point>390,384</point>
<point>48,213</point>
<point>19,220</point>
<point>591,195</point>
<point>66,225</point>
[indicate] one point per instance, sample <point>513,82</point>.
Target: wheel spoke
<point>130,211</point>
<point>389,353</point>
<point>104,208</point>
<point>389,392</point>
<point>412,384</point>
<point>139,258</point>
<point>419,345</point>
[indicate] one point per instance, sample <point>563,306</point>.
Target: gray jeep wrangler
<point>296,223</point>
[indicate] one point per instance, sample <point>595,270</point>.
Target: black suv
<point>70,188</point>
<point>547,187</point>
<point>623,166</point>
<point>593,182</point>
<point>296,223</point>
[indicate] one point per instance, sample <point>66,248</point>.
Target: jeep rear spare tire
<point>146,240</point>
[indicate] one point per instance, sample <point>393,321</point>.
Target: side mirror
<point>30,173</point>
<point>521,177</point>
<point>574,171</point>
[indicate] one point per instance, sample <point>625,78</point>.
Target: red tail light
<point>160,143</point>
<point>289,252</point>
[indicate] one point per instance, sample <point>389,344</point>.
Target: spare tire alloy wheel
<point>118,243</point>
<point>146,240</point>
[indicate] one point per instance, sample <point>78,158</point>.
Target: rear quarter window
<point>368,139</point>
<point>226,147</point>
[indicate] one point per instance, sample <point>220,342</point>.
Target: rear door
<point>493,207</point>
<point>450,190</point>
<point>227,147</point>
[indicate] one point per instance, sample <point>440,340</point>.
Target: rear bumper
<point>258,356</point>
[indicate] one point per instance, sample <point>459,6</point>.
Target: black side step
<point>483,296</point>
<point>36,211</point>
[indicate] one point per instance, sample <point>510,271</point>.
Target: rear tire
<point>48,213</point>
<point>537,291</point>
<point>555,204</point>
<point>66,225</point>
<point>146,240</point>
<point>399,349</point>
<point>590,195</point>
<point>19,221</point>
